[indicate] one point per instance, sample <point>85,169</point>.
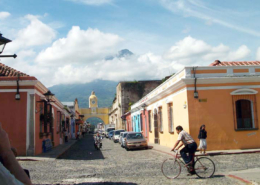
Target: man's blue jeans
<point>190,149</point>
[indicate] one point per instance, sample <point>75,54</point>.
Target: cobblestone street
<point>82,164</point>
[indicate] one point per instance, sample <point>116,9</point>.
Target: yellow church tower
<point>93,111</point>
<point>93,101</point>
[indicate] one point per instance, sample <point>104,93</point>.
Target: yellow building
<point>93,111</point>
<point>223,96</point>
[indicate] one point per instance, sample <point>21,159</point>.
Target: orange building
<point>25,113</point>
<point>224,96</point>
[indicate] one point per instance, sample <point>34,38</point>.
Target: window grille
<point>245,112</point>
<point>149,120</point>
<point>160,119</point>
<point>170,118</point>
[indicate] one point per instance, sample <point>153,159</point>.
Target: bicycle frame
<point>195,159</point>
<point>178,157</point>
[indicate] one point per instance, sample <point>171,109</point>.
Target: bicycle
<point>203,167</point>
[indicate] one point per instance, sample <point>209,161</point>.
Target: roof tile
<point>8,71</point>
<point>235,63</point>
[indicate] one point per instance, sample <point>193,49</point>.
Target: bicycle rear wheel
<point>204,167</point>
<point>171,168</point>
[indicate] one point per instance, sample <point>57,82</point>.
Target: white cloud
<point>4,15</point>
<point>191,51</point>
<point>92,2</point>
<point>196,8</point>
<point>80,46</point>
<point>80,56</point>
<point>36,33</point>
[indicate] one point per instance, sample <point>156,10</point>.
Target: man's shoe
<point>191,173</point>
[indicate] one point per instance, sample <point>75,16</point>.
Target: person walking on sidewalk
<point>190,147</point>
<point>202,137</point>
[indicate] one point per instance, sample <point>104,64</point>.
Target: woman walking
<point>202,137</point>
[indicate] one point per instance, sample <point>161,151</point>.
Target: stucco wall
<point>218,116</point>
<point>180,117</point>
<point>13,119</point>
<point>56,134</point>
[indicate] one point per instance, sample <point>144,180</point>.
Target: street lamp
<point>48,95</point>
<point>17,95</point>
<point>3,42</point>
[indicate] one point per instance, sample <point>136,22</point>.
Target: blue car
<point>110,134</point>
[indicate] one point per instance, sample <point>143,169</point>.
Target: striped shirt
<point>185,138</point>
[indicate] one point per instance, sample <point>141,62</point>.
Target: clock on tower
<point>93,102</point>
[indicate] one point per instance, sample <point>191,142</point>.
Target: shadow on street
<point>83,149</point>
<point>107,183</point>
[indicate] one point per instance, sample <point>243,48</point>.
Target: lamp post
<point>3,42</point>
<point>48,96</point>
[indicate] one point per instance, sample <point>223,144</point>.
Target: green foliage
<point>129,105</point>
<point>167,77</point>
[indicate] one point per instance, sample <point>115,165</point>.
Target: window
<point>141,121</point>
<point>58,124</point>
<point>245,113</point>
<point>149,120</point>
<point>160,119</point>
<point>170,118</point>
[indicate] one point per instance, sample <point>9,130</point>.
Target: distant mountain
<point>105,91</point>
<point>124,53</point>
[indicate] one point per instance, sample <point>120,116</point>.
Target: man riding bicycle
<point>190,147</point>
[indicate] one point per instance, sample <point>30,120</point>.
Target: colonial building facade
<point>26,113</point>
<point>223,96</point>
<point>127,93</point>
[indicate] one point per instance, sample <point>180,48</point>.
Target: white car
<point>115,137</point>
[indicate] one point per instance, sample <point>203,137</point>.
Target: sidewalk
<point>50,155</point>
<point>167,150</point>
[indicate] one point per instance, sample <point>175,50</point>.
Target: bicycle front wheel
<point>171,168</point>
<point>204,167</point>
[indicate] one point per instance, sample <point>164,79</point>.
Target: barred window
<point>245,112</point>
<point>149,120</point>
<point>170,118</point>
<point>160,119</point>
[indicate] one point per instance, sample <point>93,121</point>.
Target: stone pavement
<point>248,176</point>
<point>50,155</point>
<point>82,164</point>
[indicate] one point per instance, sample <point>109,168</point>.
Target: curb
<point>240,179</point>
<point>214,154</point>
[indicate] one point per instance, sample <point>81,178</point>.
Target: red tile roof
<point>242,63</point>
<point>8,71</point>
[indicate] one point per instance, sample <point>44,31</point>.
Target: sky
<point>67,41</point>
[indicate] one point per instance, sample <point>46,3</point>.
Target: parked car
<point>108,130</point>
<point>135,140</point>
<point>123,139</point>
<point>110,134</point>
<point>115,137</point>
